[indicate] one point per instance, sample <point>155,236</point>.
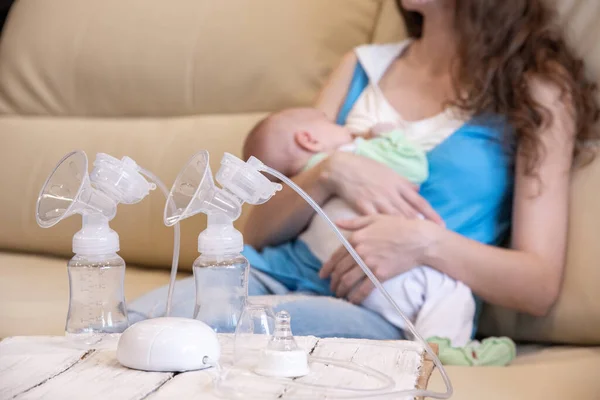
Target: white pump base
<point>168,345</point>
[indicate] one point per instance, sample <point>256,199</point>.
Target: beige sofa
<point>160,80</point>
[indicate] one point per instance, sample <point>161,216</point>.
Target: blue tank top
<point>470,173</point>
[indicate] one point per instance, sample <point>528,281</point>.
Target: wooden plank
<point>191,385</point>
<point>99,376</point>
<point>200,384</point>
<point>28,362</point>
<point>47,368</point>
<point>427,368</point>
<point>395,359</point>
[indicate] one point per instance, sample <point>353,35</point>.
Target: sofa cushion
<point>163,146</point>
<point>172,58</point>
<point>555,373</point>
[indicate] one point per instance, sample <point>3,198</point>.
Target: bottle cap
<point>95,237</point>
<point>220,237</point>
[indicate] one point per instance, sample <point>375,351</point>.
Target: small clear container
<point>96,296</point>
<point>221,290</point>
<point>254,331</point>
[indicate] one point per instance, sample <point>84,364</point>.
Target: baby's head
<point>286,140</point>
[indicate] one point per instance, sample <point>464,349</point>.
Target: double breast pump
<point>97,306</point>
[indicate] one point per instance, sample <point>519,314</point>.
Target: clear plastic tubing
<point>176,238</point>
<point>378,285</point>
<point>334,392</point>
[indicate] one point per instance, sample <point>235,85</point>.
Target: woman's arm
<point>368,186</point>
<point>286,214</point>
<point>528,276</point>
<point>334,92</point>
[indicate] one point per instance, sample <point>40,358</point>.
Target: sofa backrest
<point>159,80</point>
<point>156,81</point>
<point>174,58</point>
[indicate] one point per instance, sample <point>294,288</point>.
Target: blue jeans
<point>319,316</point>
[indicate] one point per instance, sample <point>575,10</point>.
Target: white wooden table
<point>52,368</point>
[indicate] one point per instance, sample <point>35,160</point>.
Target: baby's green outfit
<point>410,161</point>
<point>392,149</point>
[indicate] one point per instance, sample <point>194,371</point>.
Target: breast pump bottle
<point>221,275</point>
<point>96,281</point>
<point>96,272</point>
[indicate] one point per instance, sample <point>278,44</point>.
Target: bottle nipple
<point>282,339</point>
<point>282,357</point>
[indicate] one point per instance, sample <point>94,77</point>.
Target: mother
<point>502,64</point>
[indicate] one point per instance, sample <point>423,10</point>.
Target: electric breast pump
<point>96,272</point>
<point>97,303</point>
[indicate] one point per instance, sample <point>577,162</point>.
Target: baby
<point>296,139</point>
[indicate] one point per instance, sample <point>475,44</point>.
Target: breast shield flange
<point>194,192</point>
<point>68,191</point>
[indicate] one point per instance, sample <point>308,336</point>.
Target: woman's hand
<point>373,188</point>
<point>389,245</point>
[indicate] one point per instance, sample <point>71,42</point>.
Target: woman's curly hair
<point>501,44</point>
